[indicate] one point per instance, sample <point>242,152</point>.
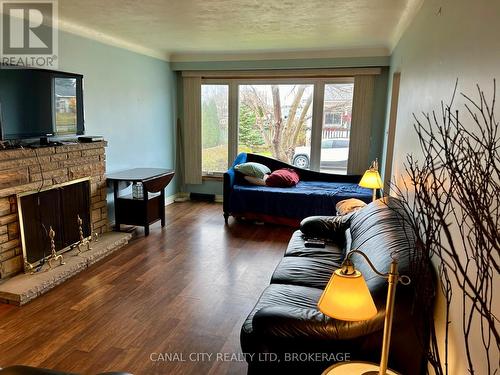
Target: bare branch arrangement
<point>452,195</point>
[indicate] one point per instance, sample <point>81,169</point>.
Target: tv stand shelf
<point>146,211</point>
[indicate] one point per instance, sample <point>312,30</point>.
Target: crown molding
<point>410,12</point>
<point>280,55</point>
<point>101,37</point>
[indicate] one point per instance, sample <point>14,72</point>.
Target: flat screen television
<point>37,103</point>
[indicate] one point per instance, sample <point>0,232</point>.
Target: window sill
<point>212,177</point>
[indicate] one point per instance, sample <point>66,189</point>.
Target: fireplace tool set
<point>83,242</point>
<point>54,255</point>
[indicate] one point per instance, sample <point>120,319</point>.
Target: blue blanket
<point>307,198</point>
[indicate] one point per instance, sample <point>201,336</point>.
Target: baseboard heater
<point>202,197</point>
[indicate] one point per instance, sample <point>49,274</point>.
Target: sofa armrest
<point>288,322</point>
<point>229,181</point>
<point>326,227</point>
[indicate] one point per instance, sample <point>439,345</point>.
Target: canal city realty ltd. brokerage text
<point>247,357</point>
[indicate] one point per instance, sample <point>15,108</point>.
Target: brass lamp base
<point>356,368</point>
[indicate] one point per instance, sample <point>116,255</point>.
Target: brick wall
<point>26,170</point>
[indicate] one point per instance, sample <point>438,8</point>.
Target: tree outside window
<point>274,119</point>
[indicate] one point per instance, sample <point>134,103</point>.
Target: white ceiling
<point>197,29</point>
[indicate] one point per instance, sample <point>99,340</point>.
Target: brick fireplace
<point>26,170</point>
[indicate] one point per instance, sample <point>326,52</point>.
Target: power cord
<point>42,261</point>
<point>41,173</point>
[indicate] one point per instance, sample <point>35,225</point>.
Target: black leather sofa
<point>286,333</point>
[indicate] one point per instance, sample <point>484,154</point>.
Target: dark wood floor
<point>184,289</point>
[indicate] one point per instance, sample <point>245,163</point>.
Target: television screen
<point>40,103</point>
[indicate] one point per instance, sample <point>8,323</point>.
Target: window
<point>333,118</point>
<point>214,127</point>
<point>337,118</point>
<point>336,127</point>
<point>304,121</point>
<point>328,118</point>
<point>275,120</point>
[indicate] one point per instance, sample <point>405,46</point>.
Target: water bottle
<point>137,190</point>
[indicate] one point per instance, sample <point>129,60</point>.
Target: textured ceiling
<point>189,27</point>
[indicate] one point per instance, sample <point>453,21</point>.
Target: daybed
<point>287,334</point>
<point>316,194</point>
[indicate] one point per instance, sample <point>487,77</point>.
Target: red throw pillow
<point>285,177</point>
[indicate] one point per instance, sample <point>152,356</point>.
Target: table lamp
<point>347,297</point>
<point>371,179</point>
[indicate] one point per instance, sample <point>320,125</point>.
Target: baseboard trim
<point>184,197</point>
<point>181,197</point>
<point>170,199</point>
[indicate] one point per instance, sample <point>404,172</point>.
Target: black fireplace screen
<point>57,208</point>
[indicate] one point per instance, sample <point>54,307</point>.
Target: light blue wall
<point>129,99</point>
<point>379,102</point>
<point>446,41</point>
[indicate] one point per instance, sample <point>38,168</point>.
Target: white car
<point>334,154</point>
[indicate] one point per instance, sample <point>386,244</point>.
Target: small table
<point>141,212</point>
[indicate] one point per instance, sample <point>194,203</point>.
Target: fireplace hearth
<point>25,287</point>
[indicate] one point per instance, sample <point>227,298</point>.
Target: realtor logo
<point>28,33</point>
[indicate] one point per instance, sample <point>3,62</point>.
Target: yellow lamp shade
<point>371,179</point>
<point>346,297</point>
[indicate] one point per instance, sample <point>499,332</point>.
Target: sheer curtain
<point>361,124</point>
<point>191,131</point>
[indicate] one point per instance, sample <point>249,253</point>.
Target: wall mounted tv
<point>37,103</point>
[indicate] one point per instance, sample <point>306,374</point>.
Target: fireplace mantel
<point>25,170</point>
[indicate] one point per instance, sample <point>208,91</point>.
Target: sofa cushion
<point>256,181</point>
<point>349,205</point>
<point>326,227</point>
<point>296,248</point>
<point>378,230</point>
<point>285,177</point>
<point>281,304</point>
<point>306,271</point>
<point>253,169</point>
<point>283,295</point>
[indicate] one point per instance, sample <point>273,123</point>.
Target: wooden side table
<point>146,211</point>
